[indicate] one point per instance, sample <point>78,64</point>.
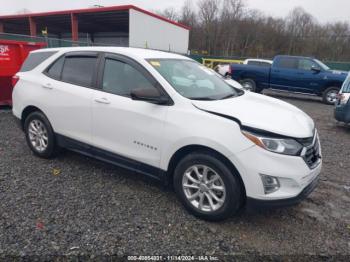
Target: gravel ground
<point>74,205</point>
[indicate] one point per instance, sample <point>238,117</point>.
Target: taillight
<point>15,79</point>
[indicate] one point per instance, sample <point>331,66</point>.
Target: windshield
<point>193,80</point>
<point>322,65</point>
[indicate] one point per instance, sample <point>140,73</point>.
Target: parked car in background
<point>342,106</point>
<point>293,74</point>
<point>258,62</point>
<point>171,118</point>
<point>225,69</point>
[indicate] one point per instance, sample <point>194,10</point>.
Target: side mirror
<point>151,95</point>
<point>315,69</point>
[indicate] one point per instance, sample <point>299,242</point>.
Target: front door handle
<point>47,86</point>
<point>102,101</point>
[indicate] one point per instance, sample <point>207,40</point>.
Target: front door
<point>126,130</point>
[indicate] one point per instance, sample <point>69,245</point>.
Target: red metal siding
<point>12,56</point>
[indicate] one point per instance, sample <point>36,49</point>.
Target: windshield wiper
<point>228,96</point>
<point>202,98</point>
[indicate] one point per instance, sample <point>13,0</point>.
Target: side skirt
<point>111,158</point>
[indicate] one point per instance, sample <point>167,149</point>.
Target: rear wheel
<point>249,85</point>
<point>330,95</point>
<point>207,187</point>
<point>40,136</point>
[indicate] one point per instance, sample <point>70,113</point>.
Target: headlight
<point>285,146</point>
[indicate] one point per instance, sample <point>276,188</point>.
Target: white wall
<point>147,31</point>
<point>111,38</point>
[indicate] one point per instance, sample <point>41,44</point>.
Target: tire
<point>249,85</point>
<point>329,95</point>
<point>38,129</point>
<point>230,197</point>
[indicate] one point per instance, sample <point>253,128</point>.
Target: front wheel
<point>207,187</point>
<point>330,95</point>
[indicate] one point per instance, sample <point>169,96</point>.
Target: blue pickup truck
<point>292,74</point>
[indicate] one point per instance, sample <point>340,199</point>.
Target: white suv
<point>168,117</point>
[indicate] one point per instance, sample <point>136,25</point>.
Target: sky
<point>323,10</point>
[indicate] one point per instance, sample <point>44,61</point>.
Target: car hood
<point>338,74</point>
<point>264,113</point>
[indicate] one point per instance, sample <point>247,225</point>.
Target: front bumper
<point>254,204</point>
<point>296,178</point>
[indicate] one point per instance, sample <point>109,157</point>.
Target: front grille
<point>307,142</point>
<point>312,154</point>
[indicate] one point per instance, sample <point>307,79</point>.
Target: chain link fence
<point>50,41</point>
<point>56,42</point>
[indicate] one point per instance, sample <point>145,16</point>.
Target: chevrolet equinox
<point>169,117</point>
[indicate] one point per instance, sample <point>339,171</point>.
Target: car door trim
<point>112,158</point>
<point>93,54</point>
<point>139,67</point>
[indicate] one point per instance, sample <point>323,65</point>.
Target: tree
<point>169,13</point>
<point>208,15</point>
<point>229,28</point>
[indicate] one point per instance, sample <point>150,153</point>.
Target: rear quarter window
<point>35,59</point>
<point>55,69</point>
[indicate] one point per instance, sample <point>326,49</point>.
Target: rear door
<point>124,130</point>
<point>67,89</point>
<point>308,80</point>
<point>283,73</point>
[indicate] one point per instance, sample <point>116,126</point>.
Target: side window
<point>35,59</point>
<point>79,70</point>
<point>120,78</point>
<point>55,69</point>
<point>287,63</point>
<point>306,64</point>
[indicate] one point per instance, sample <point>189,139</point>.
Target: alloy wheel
<point>332,96</point>
<point>247,86</point>
<point>204,188</point>
<point>38,135</point>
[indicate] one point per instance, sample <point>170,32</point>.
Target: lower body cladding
<point>273,180</point>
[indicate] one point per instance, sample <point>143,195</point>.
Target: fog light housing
<point>270,183</point>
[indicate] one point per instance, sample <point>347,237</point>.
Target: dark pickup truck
<point>292,74</point>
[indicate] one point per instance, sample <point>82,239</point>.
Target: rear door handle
<point>102,101</point>
<point>48,86</point>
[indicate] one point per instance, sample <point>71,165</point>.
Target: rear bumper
<point>254,204</point>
